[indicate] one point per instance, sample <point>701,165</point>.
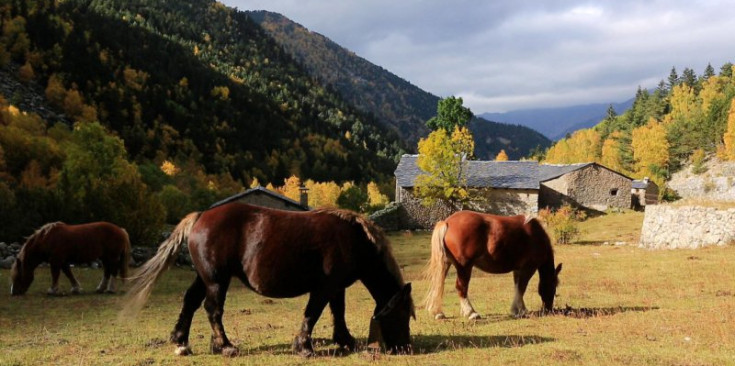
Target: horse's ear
<point>558,269</point>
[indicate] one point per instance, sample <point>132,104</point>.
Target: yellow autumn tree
<point>254,183</point>
<point>728,138</point>
<point>502,156</point>
<point>375,198</point>
<point>291,187</point>
<point>443,158</point>
<point>651,151</point>
<point>683,104</point>
<point>582,147</point>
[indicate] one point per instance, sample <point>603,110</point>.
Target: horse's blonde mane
<point>374,234</point>
<point>40,232</point>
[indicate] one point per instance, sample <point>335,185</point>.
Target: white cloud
<point>523,54</point>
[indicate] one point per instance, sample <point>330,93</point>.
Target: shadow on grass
<point>422,344</point>
<point>582,313</point>
<point>435,343</point>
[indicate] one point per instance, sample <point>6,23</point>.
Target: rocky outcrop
<point>715,183</point>
<point>669,227</point>
<point>29,97</point>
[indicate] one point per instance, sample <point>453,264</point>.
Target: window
<point>614,192</point>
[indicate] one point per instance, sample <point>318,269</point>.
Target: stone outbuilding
<point>589,186</point>
<point>260,196</point>
<point>644,192</point>
<point>516,188</point>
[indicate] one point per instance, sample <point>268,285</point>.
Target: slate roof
<point>482,174</point>
<point>552,171</point>
<point>641,184</point>
<point>261,190</point>
<point>495,174</point>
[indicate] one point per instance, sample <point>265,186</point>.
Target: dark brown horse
<point>494,244</point>
<point>283,254</point>
<point>60,245</point>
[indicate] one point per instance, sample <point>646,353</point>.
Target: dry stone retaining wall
<point>669,227</point>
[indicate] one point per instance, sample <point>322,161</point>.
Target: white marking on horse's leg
<point>76,289</point>
<point>440,316</point>
<point>518,308</point>
<point>53,290</point>
<point>182,351</point>
<point>467,309</point>
<point>111,287</point>
<point>103,284</point>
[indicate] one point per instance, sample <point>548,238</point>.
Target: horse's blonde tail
<point>146,276</point>
<point>125,260</point>
<point>437,269</point>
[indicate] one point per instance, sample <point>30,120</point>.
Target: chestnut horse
<point>60,245</point>
<point>494,244</point>
<point>283,254</point>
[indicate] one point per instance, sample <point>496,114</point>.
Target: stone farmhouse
<point>517,188</point>
<point>260,196</point>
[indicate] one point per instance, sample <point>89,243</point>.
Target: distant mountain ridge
<point>395,102</point>
<point>555,123</point>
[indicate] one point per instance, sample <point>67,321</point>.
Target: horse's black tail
<point>147,275</point>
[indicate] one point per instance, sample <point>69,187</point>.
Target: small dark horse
<point>494,244</point>
<point>283,254</point>
<point>60,245</point>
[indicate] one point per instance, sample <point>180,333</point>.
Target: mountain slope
<point>393,101</point>
<point>195,80</point>
<point>555,123</point>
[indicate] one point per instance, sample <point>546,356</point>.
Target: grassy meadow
<point>618,305</point>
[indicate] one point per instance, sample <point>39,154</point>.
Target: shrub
<point>562,223</point>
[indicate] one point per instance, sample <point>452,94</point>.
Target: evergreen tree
<point>673,78</point>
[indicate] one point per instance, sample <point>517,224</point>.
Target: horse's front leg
<point>105,281</point>
<point>463,284</point>
<point>520,278</point>
<point>192,301</point>
<point>341,334</point>
<point>76,287</point>
<point>302,343</point>
<point>214,303</point>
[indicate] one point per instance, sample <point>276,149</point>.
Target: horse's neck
<point>33,255</point>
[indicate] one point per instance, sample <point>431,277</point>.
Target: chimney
<point>304,196</point>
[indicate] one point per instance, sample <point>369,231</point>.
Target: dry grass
<point>618,305</point>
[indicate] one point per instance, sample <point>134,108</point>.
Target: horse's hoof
<point>440,316</point>
<point>475,316</point>
<point>110,292</point>
<point>183,351</point>
<point>302,346</point>
<point>346,343</point>
<point>99,290</point>
<point>76,290</point>
<point>230,351</point>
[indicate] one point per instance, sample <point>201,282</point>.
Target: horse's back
<point>495,244</point>
<point>275,252</point>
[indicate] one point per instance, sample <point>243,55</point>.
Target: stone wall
<point>505,202</point>
<point>672,227</point>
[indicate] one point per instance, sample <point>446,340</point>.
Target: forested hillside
<point>687,118</point>
<point>394,102</point>
<point>189,85</point>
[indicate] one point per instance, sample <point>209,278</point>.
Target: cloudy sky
<point>506,55</point>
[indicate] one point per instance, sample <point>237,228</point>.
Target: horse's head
<point>21,276</point>
<point>390,324</point>
<point>547,288</point>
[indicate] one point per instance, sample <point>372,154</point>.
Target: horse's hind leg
<point>463,283</point>
<point>341,334</point>
<point>214,303</point>
<point>76,287</point>
<point>55,271</point>
<point>520,278</point>
<point>302,343</point>
<point>192,301</point>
